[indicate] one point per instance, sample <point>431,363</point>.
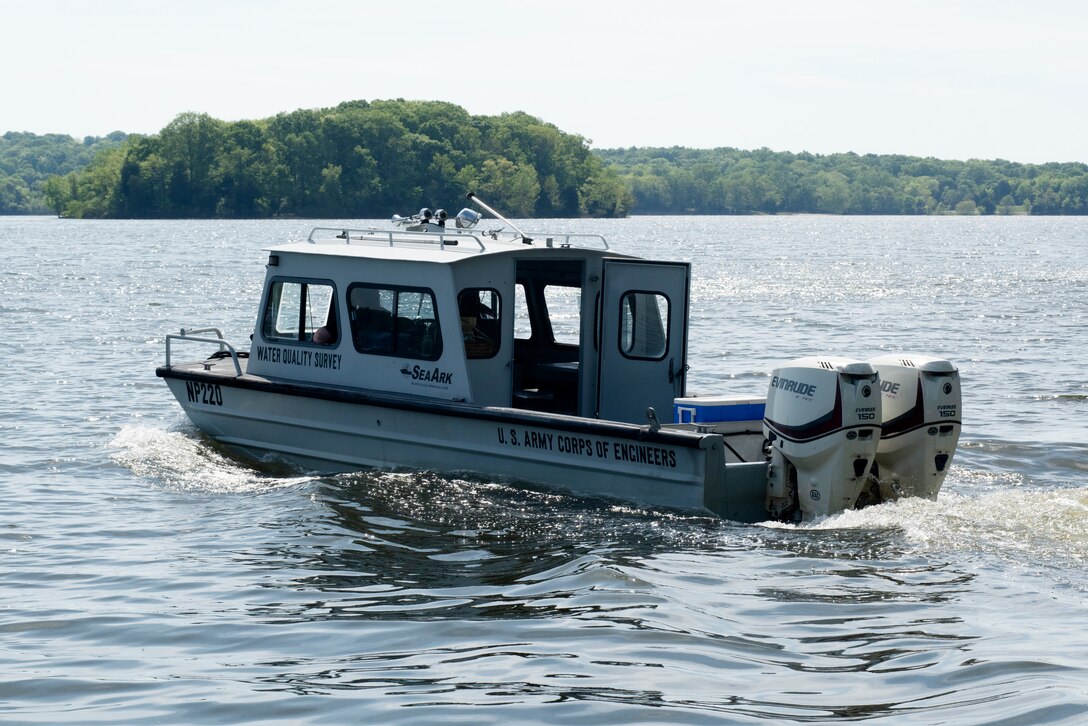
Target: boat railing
<point>393,237</point>
<point>452,239</point>
<point>196,335</point>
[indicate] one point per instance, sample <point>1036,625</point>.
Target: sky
<point>953,79</point>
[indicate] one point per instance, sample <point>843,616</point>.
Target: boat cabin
<point>563,325</point>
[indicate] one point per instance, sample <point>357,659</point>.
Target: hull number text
<point>209,394</point>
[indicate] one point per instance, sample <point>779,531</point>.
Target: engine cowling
<point>822,424</point>
<point>920,427</point>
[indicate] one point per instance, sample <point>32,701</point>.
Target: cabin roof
<point>446,248</point>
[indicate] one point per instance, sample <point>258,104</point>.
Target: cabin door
<point>643,338</point>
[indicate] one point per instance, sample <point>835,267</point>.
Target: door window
<point>644,325</point>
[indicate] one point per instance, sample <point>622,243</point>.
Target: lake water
<point>146,576</point>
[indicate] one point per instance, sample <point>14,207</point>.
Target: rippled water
<point>148,576</point>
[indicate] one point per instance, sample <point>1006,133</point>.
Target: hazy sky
<point>946,78</point>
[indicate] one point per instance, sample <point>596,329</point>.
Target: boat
<point>548,359</point>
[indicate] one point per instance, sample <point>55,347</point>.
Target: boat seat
<point>372,329</point>
<point>489,328</point>
<point>410,336</point>
<point>481,337</point>
<point>534,399</point>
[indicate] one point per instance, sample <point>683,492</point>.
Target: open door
<point>643,338</point>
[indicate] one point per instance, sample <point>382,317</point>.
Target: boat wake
<point>989,515</point>
<point>185,460</point>
<point>1040,530</point>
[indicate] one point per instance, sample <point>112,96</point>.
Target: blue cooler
<point>718,409</point>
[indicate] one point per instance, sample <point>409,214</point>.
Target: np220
<point>209,394</point>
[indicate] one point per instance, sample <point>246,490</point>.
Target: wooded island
<point>366,160</point>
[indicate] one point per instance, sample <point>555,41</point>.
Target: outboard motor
<point>822,426</point>
<point>920,427</point>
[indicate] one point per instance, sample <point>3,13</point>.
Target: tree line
<point>369,159</point>
<point>731,181</point>
<point>27,160</point>
<point>359,160</point>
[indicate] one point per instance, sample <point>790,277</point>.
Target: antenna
<point>526,239</point>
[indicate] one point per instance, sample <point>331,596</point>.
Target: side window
<point>564,313</point>
<point>481,322</point>
<point>397,321</point>
<point>644,325</point>
<point>301,311</point>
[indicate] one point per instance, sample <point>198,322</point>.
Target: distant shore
<point>370,159</point>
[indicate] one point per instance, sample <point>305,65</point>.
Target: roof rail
<point>392,237</point>
<point>399,237</point>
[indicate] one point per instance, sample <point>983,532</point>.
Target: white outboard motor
<point>822,425</point>
<point>920,427</point>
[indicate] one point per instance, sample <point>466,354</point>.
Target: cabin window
<point>398,321</point>
<point>481,324</point>
<point>644,325</point>
<point>301,311</point>
<point>564,306</point>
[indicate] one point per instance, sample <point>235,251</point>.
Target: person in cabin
<point>324,336</point>
<point>327,333</point>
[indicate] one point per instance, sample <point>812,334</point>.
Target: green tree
<point>510,186</point>
<point>604,195</point>
<point>92,192</point>
<point>28,160</point>
<point>832,192</point>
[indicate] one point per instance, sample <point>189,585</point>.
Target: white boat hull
<point>339,430</point>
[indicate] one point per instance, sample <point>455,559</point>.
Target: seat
<point>371,324</point>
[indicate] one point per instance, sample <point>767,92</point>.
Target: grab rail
<point>446,239</point>
<point>392,236</point>
<point>193,336</point>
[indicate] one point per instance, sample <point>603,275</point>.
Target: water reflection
<point>654,591</point>
<point>420,545</point>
